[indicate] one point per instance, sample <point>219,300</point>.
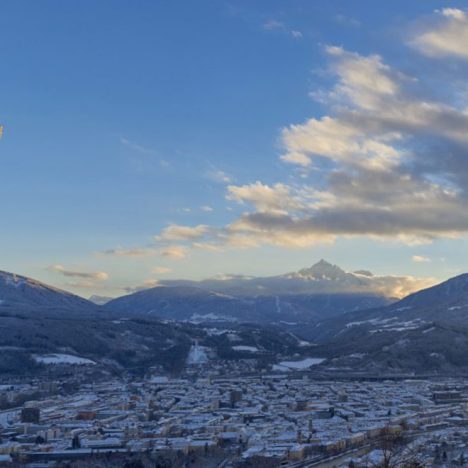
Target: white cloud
<point>400,286</point>
<point>444,35</point>
<point>178,232</point>
<point>95,275</point>
<point>277,198</point>
<point>160,270</point>
<point>274,25</point>
<point>206,208</point>
<point>390,154</point>
<point>176,252</point>
<point>347,21</point>
<point>206,246</point>
<point>131,252</point>
<point>136,146</point>
<point>420,259</point>
<point>219,176</point>
<point>147,284</point>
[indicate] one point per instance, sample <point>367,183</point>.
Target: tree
<point>396,450</point>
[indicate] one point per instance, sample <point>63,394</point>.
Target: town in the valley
<point>223,415</point>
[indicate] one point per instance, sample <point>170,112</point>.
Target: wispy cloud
<point>136,146</point>
<point>420,259</point>
<point>160,270</point>
<point>147,284</point>
<point>219,176</point>
<point>347,20</point>
<point>94,275</point>
<point>175,232</point>
<point>274,25</point>
<point>131,252</point>
<point>176,252</point>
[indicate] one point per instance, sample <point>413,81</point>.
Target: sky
<point>157,140</point>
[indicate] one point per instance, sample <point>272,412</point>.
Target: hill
<point>426,331</point>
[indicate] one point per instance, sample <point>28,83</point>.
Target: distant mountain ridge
<point>199,305</point>
<point>321,278</point>
<point>38,320</point>
<point>425,330</point>
<point>99,300</point>
<point>19,293</point>
<point>321,291</point>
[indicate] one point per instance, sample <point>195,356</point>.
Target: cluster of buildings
<point>269,420</point>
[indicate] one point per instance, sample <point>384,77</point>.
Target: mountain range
<point>321,278</point>
<point>21,294</point>
<point>426,331</point>
<point>321,291</point>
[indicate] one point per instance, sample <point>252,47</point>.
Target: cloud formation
<point>420,259</point>
<point>136,146</point>
<point>177,232</point>
<point>131,252</point>
<point>445,35</point>
<point>160,270</point>
<point>96,275</point>
<point>275,25</point>
<point>147,284</point>
<point>80,279</point>
<point>391,154</point>
<point>174,251</point>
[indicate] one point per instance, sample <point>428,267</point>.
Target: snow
<point>197,355</point>
<point>198,318</point>
<point>304,343</point>
<point>159,379</point>
<point>216,331</point>
<point>252,349</point>
<point>297,365</point>
<point>6,417</point>
<point>278,305</point>
<point>390,324</point>
<point>63,359</point>
<point>14,280</point>
<point>233,337</point>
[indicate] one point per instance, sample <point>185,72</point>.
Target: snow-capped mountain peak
<point>323,270</point>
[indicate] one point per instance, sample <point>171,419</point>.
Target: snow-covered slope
<point>21,294</point>
<point>425,331</point>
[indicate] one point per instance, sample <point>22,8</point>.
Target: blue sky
<point>125,118</point>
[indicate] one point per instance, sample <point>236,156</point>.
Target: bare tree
<point>396,450</point>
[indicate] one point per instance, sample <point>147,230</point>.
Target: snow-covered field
<point>297,365</point>
<point>197,355</point>
<point>390,324</point>
<point>63,359</point>
<point>251,349</point>
<point>199,318</point>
